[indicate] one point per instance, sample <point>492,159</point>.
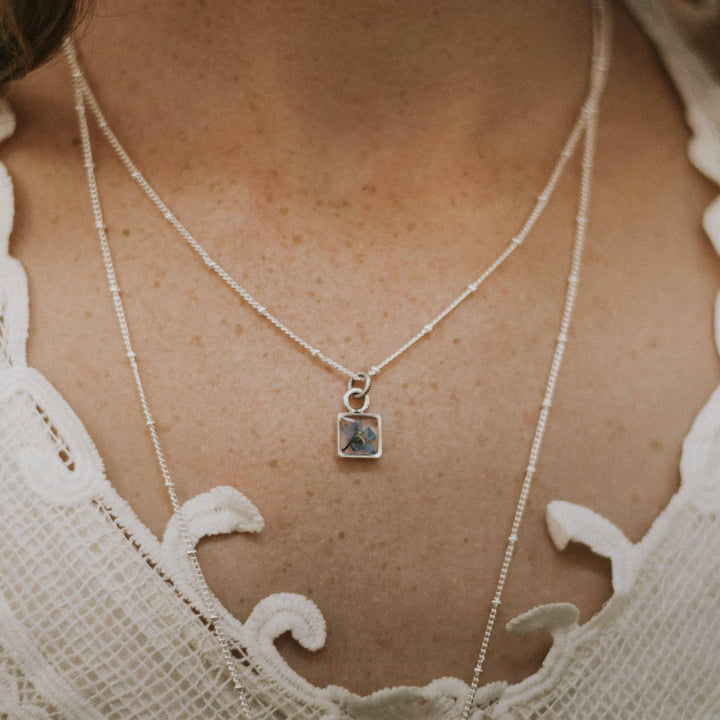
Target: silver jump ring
<point>358,378</point>
<point>357,393</point>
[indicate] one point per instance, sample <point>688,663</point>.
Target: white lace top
<point>99,620</point>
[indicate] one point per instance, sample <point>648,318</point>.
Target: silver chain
<point>586,123</point>
<point>602,25</point>
<point>205,592</point>
<point>542,200</point>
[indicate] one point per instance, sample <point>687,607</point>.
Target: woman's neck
<point>344,87</point>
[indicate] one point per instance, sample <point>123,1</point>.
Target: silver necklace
<point>359,433</point>
<point>586,124</point>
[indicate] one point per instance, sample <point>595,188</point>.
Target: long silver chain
<point>586,122</point>
<point>602,25</point>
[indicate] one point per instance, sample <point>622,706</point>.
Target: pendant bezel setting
<point>359,435</point>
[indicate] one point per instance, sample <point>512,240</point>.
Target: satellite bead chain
<point>203,587</point>
<point>602,26</point>
<point>542,200</point>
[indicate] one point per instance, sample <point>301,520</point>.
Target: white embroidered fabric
<point>99,620</point>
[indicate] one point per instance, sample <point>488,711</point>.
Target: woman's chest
<point>401,554</point>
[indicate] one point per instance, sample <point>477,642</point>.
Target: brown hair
<point>32,30</point>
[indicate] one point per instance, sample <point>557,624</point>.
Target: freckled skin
<point>355,182</point>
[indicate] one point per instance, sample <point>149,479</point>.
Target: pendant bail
<point>359,433</point>
<point>362,393</point>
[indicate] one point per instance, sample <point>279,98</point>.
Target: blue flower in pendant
<point>361,438</point>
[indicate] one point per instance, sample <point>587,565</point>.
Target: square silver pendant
<point>359,435</point>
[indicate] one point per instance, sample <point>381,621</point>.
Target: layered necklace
<point>359,433</point>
